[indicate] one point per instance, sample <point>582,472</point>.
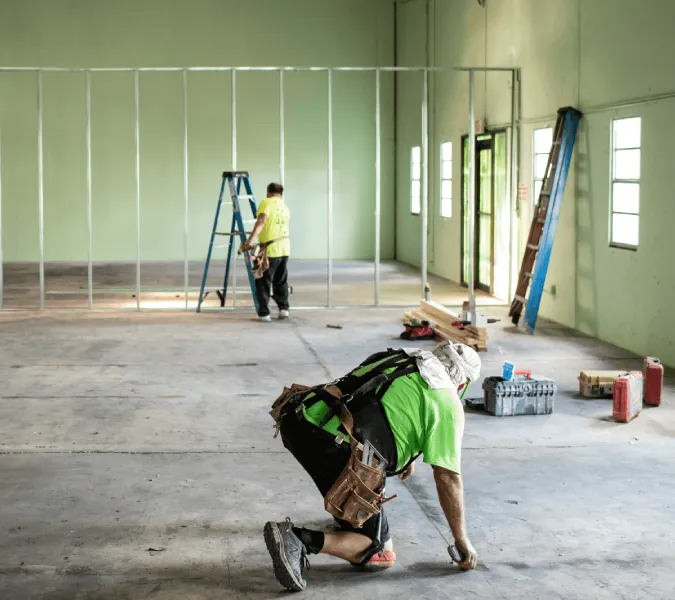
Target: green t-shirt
<point>421,419</point>
<point>277,225</point>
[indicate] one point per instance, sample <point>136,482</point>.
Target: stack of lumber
<point>441,321</point>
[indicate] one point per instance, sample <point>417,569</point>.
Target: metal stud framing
<point>282,164</point>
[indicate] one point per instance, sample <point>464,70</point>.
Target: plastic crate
<point>519,396</point>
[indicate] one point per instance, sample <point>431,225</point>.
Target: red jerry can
<point>627,396</point>
<point>653,380</point>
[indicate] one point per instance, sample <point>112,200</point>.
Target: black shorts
<point>324,460</point>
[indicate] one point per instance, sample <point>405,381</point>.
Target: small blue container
<point>507,371</point>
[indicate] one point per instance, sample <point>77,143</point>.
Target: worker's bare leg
<point>346,545</point>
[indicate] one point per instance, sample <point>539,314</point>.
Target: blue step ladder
<point>234,181</point>
<point>542,231</point>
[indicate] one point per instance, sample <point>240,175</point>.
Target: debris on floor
<point>627,396</point>
<point>448,325</point>
<point>334,326</point>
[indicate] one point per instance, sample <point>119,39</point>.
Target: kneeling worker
<point>371,424</point>
<point>272,230</point>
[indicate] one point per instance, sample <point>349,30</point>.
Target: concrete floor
<point>121,433</point>
<point>66,285</point>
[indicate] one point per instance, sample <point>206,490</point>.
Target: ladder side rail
<point>228,265</point>
<point>210,251</point>
<point>555,204</point>
<point>536,227</point>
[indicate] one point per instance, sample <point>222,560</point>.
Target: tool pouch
<point>286,396</point>
<point>357,493</point>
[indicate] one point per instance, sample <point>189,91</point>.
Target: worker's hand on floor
<point>469,553</point>
<point>408,472</point>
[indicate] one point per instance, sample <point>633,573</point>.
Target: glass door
<point>483,258</point>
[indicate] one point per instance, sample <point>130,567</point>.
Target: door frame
<point>492,133</point>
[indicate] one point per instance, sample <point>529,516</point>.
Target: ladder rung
<point>246,197</point>
<point>226,233</point>
<point>533,246</point>
<point>521,299</point>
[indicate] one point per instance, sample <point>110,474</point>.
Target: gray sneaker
<point>288,553</point>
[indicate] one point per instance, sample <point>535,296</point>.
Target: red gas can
<point>627,396</point>
<point>653,380</point>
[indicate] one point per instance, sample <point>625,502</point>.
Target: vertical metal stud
<point>282,134</point>
<point>41,193</point>
<point>472,186</point>
<point>2,263</point>
<point>514,187</point>
<point>330,188</point>
<point>234,168</point>
<point>137,139</point>
<point>186,231</point>
<point>234,119</point>
<point>378,184</point>
<point>425,180</point>
<point>90,269</point>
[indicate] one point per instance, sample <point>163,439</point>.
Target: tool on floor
<point>233,180</point>
<point>597,384</point>
<point>417,330</point>
<point>542,231</point>
<point>456,554</point>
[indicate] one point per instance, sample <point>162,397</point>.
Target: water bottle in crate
<point>627,396</point>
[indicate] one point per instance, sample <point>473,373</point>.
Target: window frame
<point>535,154</point>
<point>613,180</point>
<point>443,179</point>
<point>413,179</point>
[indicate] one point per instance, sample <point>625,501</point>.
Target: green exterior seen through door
<point>490,186</point>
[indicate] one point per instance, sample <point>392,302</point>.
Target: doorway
<point>490,151</point>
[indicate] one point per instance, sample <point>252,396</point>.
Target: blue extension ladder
<point>542,231</point>
<point>234,180</point>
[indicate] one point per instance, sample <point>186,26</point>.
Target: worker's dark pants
<point>274,281</point>
<point>324,460</point>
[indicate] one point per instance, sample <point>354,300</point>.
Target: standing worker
<point>271,272</point>
<point>371,424</point>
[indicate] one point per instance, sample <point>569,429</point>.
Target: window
<point>543,138</point>
<point>446,180</point>
<point>415,180</point>
<point>625,221</point>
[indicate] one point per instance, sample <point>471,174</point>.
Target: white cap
<point>460,361</point>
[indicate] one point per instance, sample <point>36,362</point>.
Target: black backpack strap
<point>338,406</point>
<point>350,383</point>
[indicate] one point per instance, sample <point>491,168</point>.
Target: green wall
<point>155,33</point>
<point>594,54</point>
